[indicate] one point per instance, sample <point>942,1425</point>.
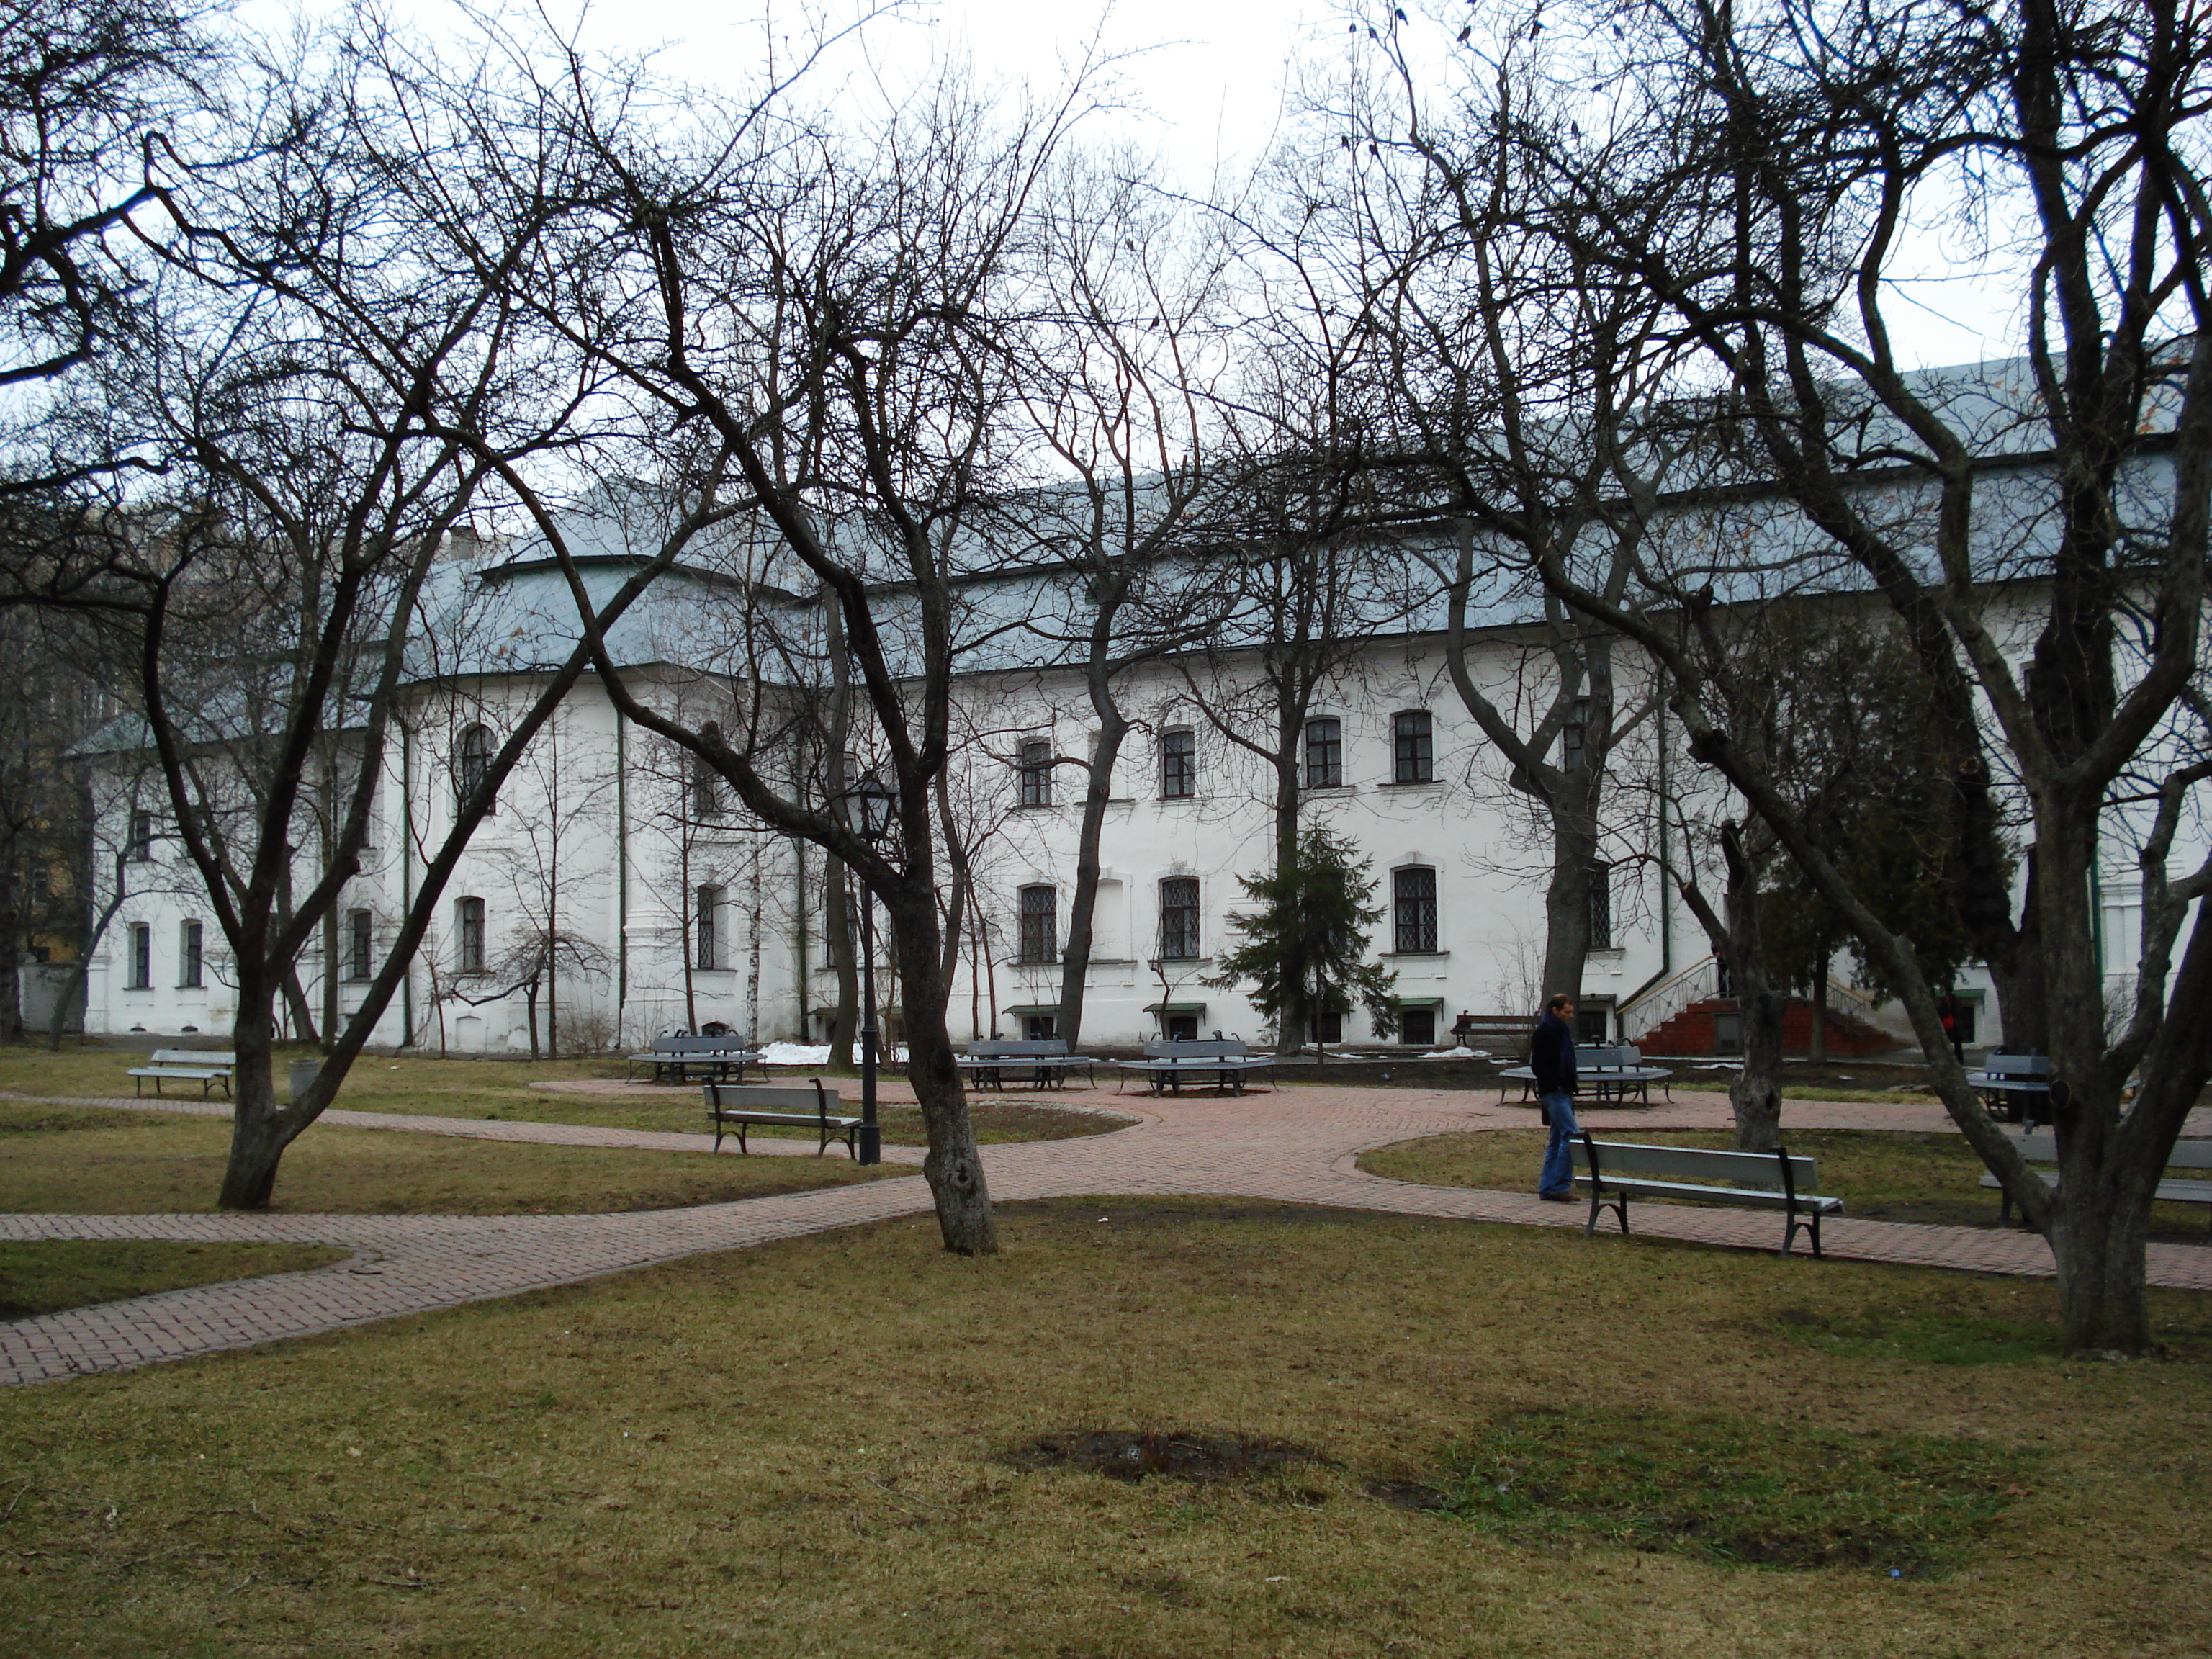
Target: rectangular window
<point>1040,940</point>
<point>1417,1027</point>
<point>1325,754</point>
<point>361,944</point>
<point>1601,907</point>
<point>1413,902</point>
<point>1413,748</point>
<point>1039,1028</point>
<point>706,952</point>
<point>1178,764</point>
<point>1179,919</point>
<point>1573,751</point>
<point>468,922</point>
<point>141,837</point>
<point>141,956</point>
<point>1034,760</point>
<point>1327,1026</point>
<point>191,954</point>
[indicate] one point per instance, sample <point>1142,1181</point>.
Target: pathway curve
<point>1298,1144</point>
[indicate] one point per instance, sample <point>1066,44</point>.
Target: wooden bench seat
<point>1607,1074</point>
<point>735,1107</point>
<point>204,1067</point>
<point>2016,1086</point>
<point>1214,1063</point>
<point>2043,1149</point>
<point>1046,1058</point>
<point>676,1057</point>
<point>1617,1171</point>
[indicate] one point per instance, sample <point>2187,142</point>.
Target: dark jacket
<point>1551,1055</point>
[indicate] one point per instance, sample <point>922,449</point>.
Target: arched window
<point>1414,901</point>
<point>1040,938</point>
<point>1413,746</point>
<point>1178,764</point>
<point>472,762</point>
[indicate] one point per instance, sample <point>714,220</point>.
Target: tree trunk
<point>1756,1094</point>
<point>1567,905</point>
<point>952,1167</point>
<point>530,1000</point>
<point>1075,960</point>
<point>11,975</point>
<point>303,1014</point>
<point>259,1135</point>
<point>1816,1046</point>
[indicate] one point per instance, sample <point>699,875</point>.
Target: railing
<point>1636,1020</point>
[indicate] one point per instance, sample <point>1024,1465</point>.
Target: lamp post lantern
<point>877,806</point>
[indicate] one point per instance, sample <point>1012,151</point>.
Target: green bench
<point>1617,1171</point>
<point>736,1107</point>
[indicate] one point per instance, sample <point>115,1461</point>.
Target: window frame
<point>1600,908</point>
<point>1033,771</point>
<point>470,924</point>
<point>473,756</point>
<point>1412,747</point>
<point>141,836</point>
<point>139,969</point>
<point>1037,942</point>
<point>1186,930</point>
<point>1178,763</point>
<point>1330,774</point>
<point>1415,915</point>
<point>360,947</point>
<point>191,954</point>
<point>707,901</point>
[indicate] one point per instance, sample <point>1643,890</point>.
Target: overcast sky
<point>1208,78</point>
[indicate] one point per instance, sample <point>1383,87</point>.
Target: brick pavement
<point>1299,1145</point>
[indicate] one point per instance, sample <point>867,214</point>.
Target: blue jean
<point>1558,1155</point>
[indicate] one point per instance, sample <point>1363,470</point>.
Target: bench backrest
<point>2186,1155</point>
<point>1606,1058</point>
<point>1018,1048</point>
<point>685,1045</point>
<point>1197,1048</point>
<point>1762,1170</point>
<point>2021,1066</point>
<point>770,1097</point>
<point>209,1057</point>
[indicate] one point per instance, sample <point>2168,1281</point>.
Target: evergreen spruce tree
<point>1305,946</point>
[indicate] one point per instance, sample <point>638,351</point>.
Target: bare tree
<point>1763,176</point>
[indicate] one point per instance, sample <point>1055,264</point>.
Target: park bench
<point>734,1107</point>
<point>1046,1059</point>
<point>2014,1086</point>
<point>675,1058</point>
<point>2043,1149</point>
<point>1618,1170</point>
<point>202,1066</point>
<point>1605,1074</point>
<point>1223,1062</point>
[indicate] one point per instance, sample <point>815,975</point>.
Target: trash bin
<point>303,1075</point>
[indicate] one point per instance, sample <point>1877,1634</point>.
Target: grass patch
<point>45,1276</point>
<point>801,1450</point>
<point>499,1089</point>
<point>1881,1175</point>
<point>1739,1489</point>
<point>88,1162</point>
<point>1929,1335</point>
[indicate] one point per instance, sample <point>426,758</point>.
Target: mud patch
<point>1131,1455</point>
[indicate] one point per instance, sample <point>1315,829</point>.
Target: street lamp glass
<point>877,809</point>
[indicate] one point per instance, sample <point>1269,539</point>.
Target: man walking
<point>1552,1057</point>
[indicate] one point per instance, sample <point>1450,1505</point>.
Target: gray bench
<point>735,1107</point>
<point>1606,1074</point>
<point>202,1066</point>
<point>1618,1170</point>
<point>2014,1086</point>
<point>677,1057</point>
<point>2043,1149</point>
<point>1217,1062</point>
<point>1046,1058</point>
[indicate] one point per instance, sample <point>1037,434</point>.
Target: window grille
<point>361,944</point>
<point>141,956</point>
<point>1413,899</point>
<point>707,953</point>
<point>1324,754</point>
<point>471,763</point>
<point>1414,743</point>
<point>469,918</point>
<point>1179,919</point>
<point>1040,939</point>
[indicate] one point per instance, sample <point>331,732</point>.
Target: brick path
<point>1297,1145</point>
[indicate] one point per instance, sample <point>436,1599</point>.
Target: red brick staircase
<point>1693,1031</point>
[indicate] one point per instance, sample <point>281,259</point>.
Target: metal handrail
<point>1664,1001</point>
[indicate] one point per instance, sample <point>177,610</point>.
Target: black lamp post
<point>878,807</point>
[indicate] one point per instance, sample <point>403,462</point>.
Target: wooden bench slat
<point>739,1106</point>
<point>1779,1181</point>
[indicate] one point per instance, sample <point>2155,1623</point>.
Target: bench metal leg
<point>1811,1227</point>
<point>1618,1204</point>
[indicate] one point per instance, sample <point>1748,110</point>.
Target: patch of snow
<point>817,1054</point>
<point>1458,1053</point>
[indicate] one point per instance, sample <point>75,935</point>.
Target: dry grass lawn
<point>85,1161</point>
<point>1882,1175</point>
<point>500,1089</point>
<point>814,1449</point>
